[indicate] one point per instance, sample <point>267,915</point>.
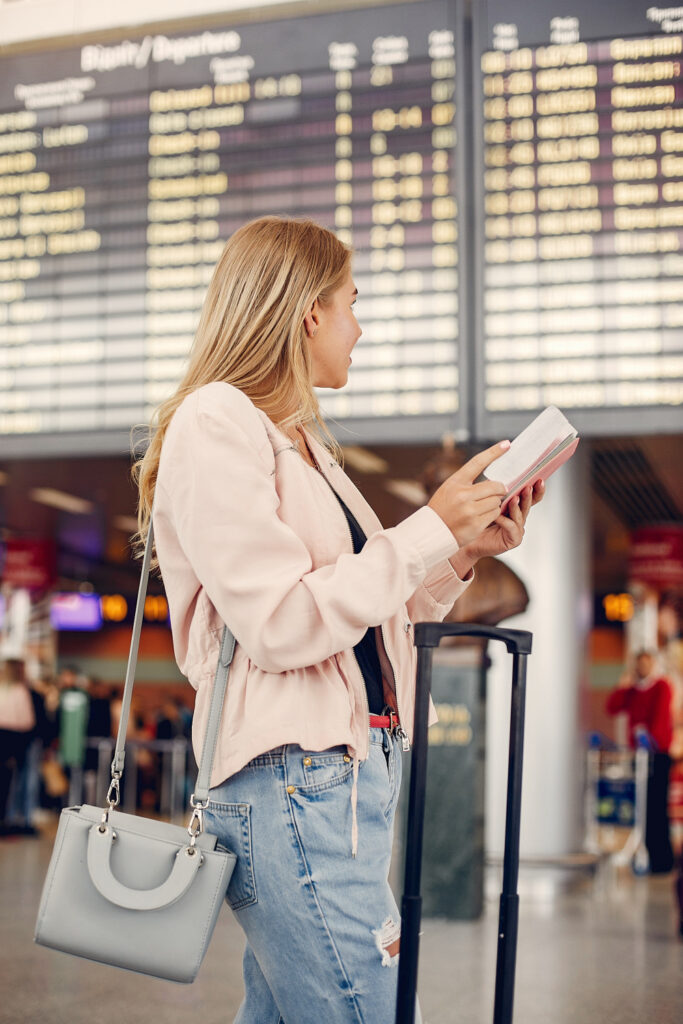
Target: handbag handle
<point>200,796</point>
<point>185,865</point>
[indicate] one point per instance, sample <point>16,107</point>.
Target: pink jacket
<point>247,533</point>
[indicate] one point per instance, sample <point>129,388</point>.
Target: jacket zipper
<point>348,528</point>
<point>400,731</point>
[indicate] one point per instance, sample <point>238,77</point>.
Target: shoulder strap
<point>227,649</point>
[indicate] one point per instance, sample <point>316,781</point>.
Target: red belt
<point>384,721</point>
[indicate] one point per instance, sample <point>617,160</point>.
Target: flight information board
<point>580,106</point>
<point>125,166</point>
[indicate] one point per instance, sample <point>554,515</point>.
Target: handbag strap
<point>227,649</point>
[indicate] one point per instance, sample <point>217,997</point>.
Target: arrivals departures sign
<point>528,255</point>
<point>581,200</point>
<point>125,166</point>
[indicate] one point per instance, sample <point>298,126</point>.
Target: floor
<point>590,950</point>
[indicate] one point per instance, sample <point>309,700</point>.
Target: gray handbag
<point>135,892</point>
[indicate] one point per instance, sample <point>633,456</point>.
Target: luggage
<point>518,642</point>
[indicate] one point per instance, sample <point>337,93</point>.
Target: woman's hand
<point>468,508</point>
<point>505,533</point>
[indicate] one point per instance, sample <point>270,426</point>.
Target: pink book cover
<point>543,472</point>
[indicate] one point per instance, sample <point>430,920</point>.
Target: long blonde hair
<point>251,332</point>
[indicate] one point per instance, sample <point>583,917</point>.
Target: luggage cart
<point>616,800</point>
<point>518,642</point>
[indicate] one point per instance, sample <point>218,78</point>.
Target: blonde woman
<point>257,526</point>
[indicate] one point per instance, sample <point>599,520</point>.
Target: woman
<point>257,526</point>
<point>17,724</point>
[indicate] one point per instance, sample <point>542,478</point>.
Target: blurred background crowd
<point>56,745</point>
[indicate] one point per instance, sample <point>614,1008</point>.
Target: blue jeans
<point>322,927</point>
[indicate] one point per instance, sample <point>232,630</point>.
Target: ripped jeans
<point>322,927</point>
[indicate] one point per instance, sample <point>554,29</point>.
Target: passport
<point>535,454</point>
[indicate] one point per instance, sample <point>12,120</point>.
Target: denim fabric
<point>317,920</point>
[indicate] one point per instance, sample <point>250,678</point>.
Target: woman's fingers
<point>475,466</point>
<point>538,492</point>
<point>474,519</point>
<point>466,507</point>
<point>489,504</point>
<point>515,511</point>
<point>487,489</point>
<point>524,504</point>
<point>511,527</point>
<point>485,509</point>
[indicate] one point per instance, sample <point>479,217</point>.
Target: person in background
<point>68,678</point>
<point>97,728</point>
<point>171,722</point>
<point>17,724</point>
<point>73,712</point>
<point>25,790</point>
<point>55,784</point>
<point>99,713</point>
<point>646,697</point>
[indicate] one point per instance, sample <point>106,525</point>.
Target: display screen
<point>581,118</point>
<point>517,219</point>
<point>75,611</point>
<point>125,166</point>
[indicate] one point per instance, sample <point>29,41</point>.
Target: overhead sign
<point>656,557</point>
<point>125,166</point>
<point>582,215</point>
<point>29,564</point>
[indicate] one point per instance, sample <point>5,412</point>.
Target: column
<point>554,563</point>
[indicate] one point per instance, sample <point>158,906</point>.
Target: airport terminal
<point>508,178</point>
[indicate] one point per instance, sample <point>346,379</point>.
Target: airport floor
<point>592,950</point>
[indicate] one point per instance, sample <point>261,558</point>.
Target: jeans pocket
<point>232,824</point>
<point>324,769</point>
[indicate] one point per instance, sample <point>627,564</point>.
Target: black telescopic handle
<point>509,900</point>
<point>411,906</point>
<point>430,634</point>
<point>518,643</point>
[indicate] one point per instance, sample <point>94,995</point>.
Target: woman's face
<point>331,332</point>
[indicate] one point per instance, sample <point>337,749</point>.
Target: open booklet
<point>535,453</point>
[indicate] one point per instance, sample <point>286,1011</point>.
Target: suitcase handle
<point>518,643</point>
<point>430,634</point>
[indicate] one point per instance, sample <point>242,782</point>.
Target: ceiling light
<point>407,490</point>
<point>364,461</point>
<point>128,524</point>
<point>59,499</point>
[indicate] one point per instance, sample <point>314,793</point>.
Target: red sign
<point>29,564</point>
<point>656,556</point>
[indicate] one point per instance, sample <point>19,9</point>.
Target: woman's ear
<point>312,319</point>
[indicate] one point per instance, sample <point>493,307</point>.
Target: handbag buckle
<point>113,797</point>
<point>196,826</point>
<point>114,793</point>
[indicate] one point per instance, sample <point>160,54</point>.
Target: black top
<point>366,649</point>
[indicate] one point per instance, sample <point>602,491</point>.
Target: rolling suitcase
<point>518,642</point>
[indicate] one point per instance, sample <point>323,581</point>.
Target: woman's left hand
<point>505,533</point>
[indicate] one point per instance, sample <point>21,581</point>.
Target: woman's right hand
<point>468,508</point>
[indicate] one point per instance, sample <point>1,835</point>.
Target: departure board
<point>125,166</point>
<point>580,107</point>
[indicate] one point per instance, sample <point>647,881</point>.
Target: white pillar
<point>553,561</point>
